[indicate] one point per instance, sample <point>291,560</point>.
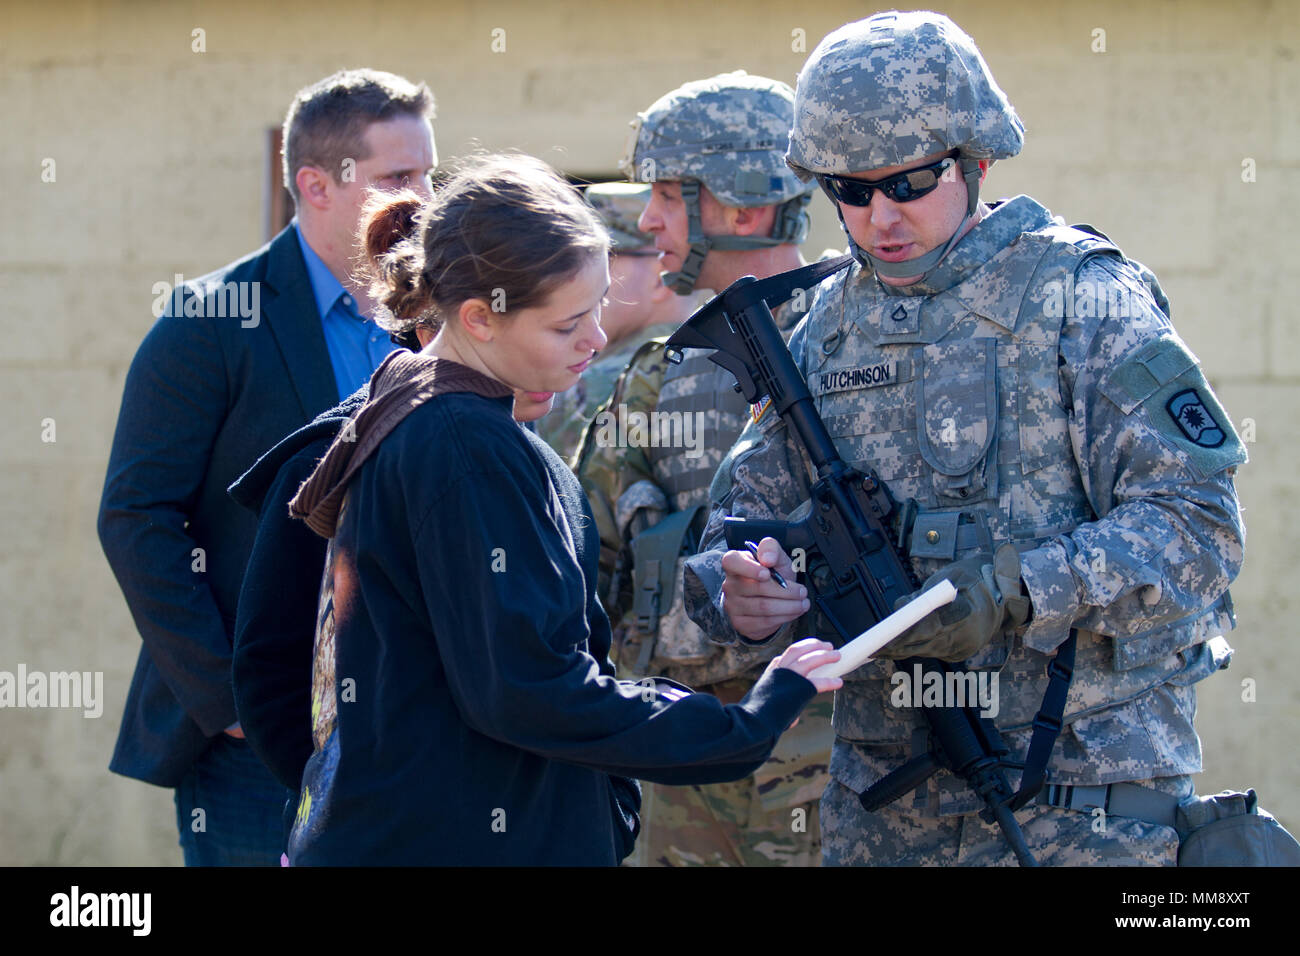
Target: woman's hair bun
<point>389,218</point>
<point>391,231</point>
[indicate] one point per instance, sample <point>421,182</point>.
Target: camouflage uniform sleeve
<point>1157,455</point>
<point>765,475</point>
<point>606,466</point>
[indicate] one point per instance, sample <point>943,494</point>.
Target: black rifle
<point>862,575</point>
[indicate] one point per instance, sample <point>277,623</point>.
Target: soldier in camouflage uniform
<point>637,308</point>
<point>724,205</point>
<point>1071,468</point>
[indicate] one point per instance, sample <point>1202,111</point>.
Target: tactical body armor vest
<point>704,393</point>
<point>699,387</point>
<point>954,399</point>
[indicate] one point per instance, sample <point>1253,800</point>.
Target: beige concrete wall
<point>159,169</point>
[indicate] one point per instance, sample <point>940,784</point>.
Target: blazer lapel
<point>291,313</point>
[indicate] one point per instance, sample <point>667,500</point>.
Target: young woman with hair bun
<point>464,708</point>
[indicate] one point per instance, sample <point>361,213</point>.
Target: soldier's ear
<point>752,220</point>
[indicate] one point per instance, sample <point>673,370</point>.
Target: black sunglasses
<point>901,187</point>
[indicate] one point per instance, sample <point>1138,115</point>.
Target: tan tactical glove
<point>989,597</point>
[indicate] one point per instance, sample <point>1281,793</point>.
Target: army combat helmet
<point>892,89</point>
<point>728,132</point>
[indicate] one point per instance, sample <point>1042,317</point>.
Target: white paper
<point>860,650</point>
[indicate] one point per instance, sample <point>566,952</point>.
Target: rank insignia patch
<point>1194,419</point>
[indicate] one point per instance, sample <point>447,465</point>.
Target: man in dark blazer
<point>237,360</point>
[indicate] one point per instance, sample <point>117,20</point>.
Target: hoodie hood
<point>251,487</point>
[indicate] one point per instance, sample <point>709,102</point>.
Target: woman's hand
<point>804,657</point>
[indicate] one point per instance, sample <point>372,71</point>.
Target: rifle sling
<point>1047,723</point>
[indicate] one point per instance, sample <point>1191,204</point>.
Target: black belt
<point>1119,799</point>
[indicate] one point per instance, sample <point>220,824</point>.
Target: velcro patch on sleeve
<point>1147,371</point>
<point>1165,379</point>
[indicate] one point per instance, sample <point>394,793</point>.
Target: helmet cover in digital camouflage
<point>729,133</point>
<point>894,89</point>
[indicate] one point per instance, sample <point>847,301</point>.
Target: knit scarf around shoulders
<point>401,384</point>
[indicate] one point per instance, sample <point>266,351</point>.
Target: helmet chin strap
<point>922,265</point>
<point>792,226</point>
<point>683,280</point>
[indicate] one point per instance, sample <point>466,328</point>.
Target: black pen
<point>753,549</point>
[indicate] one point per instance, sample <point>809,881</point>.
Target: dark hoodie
<point>467,711</point>
<point>276,619</point>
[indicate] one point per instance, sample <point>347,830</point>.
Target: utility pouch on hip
<point>1231,829</point>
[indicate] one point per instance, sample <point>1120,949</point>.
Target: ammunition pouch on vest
<point>658,637</point>
<point>657,555</point>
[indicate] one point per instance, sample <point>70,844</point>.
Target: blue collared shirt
<point>356,344</point>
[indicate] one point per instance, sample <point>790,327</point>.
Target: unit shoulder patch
<point>1195,420</point>
<point>1165,381</point>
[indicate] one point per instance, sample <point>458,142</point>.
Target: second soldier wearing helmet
<point>1045,453</point>
<point>719,143</point>
<point>724,204</point>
